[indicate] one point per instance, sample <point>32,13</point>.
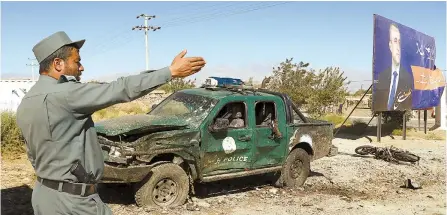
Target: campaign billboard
<point>404,73</point>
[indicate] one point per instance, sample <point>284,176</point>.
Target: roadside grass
<point>336,119</point>
<point>11,139</point>
<point>412,132</point>
<point>359,128</point>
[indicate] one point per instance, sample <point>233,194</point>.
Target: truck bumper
<point>125,174</point>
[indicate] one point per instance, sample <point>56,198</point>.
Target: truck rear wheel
<point>167,186</point>
<point>295,170</point>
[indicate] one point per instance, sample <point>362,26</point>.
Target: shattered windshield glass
<point>192,109</point>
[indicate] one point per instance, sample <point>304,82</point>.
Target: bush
<point>177,84</point>
<point>11,137</point>
<point>395,118</point>
<point>397,132</point>
<point>314,91</point>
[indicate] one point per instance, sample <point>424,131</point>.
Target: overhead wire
<point>125,33</point>
<point>189,12</point>
<point>202,19</point>
<point>194,15</point>
<point>207,18</point>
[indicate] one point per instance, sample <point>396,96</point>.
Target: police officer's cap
<point>49,45</point>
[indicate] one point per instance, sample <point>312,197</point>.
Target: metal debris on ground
<point>411,185</point>
<point>390,154</point>
<point>333,151</point>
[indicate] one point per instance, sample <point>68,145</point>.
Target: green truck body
<point>211,134</point>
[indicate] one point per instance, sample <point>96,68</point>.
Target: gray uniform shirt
<point>56,123</point>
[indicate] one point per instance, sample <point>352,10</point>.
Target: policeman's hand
<point>185,66</point>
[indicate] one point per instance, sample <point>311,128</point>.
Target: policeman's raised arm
<point>90,97</point>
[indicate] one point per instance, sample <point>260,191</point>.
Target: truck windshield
<point>186,108</point>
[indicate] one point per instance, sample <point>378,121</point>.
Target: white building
<point>12,92</point>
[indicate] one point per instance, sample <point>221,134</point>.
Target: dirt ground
<point>342,184</point>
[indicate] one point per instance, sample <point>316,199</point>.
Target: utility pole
<point>146,29</point>
<point>32,66</point>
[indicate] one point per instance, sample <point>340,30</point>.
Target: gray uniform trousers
<point>47,201</point>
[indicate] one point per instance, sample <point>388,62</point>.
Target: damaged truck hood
<point>136,124</point>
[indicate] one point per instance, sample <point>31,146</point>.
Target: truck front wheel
<point>295,170</point>
<point>167,186</point>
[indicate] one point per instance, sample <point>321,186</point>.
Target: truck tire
<point>295,170</point>
<point>167,186</point>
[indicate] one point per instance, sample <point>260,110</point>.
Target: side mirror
<point>220,125</point>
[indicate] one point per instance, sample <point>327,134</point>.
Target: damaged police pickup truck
<point>208,134</point>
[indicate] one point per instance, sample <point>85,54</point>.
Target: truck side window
<point>235,112</point>
<point>265,113</point>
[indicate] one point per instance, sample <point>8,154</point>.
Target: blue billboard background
<point>417,49</point>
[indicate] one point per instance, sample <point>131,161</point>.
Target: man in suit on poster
<point>395,84</point>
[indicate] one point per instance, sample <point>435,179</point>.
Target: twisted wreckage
<point>208,134</point>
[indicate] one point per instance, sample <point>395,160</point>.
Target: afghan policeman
<point>56,123</point>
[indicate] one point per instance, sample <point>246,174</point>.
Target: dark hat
<point>49,45</point>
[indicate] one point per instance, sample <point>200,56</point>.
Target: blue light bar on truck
<point>221,82</point>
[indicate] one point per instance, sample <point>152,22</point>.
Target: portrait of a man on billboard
<point>394,84</point>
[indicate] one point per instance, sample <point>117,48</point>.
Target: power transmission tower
<point>146,29</point>
<point>32,66</point>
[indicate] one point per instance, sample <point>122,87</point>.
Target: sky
<point>237,39</point>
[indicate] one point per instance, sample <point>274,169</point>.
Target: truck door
<point>269,151</point>
<point>228,150</point>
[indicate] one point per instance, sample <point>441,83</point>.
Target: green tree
<point>329,88</point>
<point>293,79</point>
<point>306,87</point>
<point>177,84</point>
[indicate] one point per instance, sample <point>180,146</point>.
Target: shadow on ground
<point>17,200</point>
<point>362,130</point>
<point>240,185</point>
<point>116,193</point>
<point>233,186</point>
<point>123,194</point>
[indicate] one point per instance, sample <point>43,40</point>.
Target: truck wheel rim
<point>296,168</point>
<point>165,192</point>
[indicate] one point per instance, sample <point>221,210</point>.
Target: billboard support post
<point>404,136</point>
<point>419,120</point>
<point>425,121</point>
<point>379,127</point>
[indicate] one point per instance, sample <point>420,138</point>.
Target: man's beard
<point>76,74</point>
